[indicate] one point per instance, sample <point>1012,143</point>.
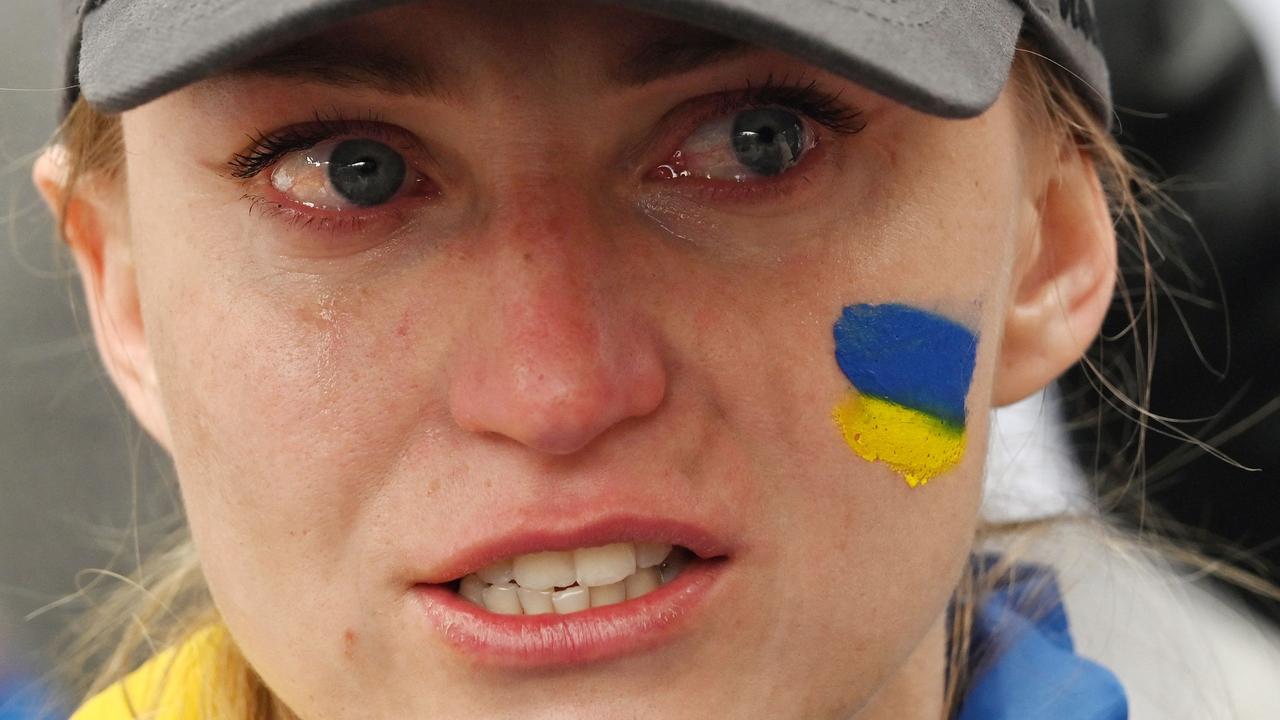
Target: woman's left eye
<point>748,144</point>
<point>343,174</point>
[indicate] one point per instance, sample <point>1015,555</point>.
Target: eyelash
<point>824,108</point>
<point>268,148</point>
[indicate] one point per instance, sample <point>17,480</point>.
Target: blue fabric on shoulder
<point>22,699</point>
<point>1025,661</point>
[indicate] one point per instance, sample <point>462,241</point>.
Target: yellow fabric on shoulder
<point>169,686</point>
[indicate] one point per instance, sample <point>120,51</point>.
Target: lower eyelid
<point>309,219</point>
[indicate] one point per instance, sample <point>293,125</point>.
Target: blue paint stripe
<point>908,356</point>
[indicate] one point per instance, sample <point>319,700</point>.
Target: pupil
<point>366,172</point>
<point>768,140</point>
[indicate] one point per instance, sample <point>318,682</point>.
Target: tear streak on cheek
<point>323,342</point>
<point>911,370</point>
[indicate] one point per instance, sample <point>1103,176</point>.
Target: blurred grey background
<point>68,454</point>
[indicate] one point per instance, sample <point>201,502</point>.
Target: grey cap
<point>945,57</point>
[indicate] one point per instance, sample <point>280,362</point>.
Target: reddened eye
<point>344,174</point>
<point>752,143</point>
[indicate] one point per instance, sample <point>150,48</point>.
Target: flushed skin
<point>557,335</point>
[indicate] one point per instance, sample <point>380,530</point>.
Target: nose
<point>559,351</point>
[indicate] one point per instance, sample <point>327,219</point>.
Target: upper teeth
<point>591,577</point>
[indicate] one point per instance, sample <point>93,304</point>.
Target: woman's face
<point>565,276</point>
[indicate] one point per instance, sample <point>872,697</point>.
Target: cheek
<point>837,537</point>
<point>285,405</point>
<point>289,424</point>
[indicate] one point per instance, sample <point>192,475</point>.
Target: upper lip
<point>581,534</point>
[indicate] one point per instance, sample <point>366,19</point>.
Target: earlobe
<point>1063,283</point>
<point>94,226</point>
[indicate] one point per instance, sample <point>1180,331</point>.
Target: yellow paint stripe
<point>918,446</point>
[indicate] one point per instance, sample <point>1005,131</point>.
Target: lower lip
<point>544,641</point>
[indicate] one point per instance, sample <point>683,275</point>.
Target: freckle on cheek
<point>349,644</point>
<point>402,328</point>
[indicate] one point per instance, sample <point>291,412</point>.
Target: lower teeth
<point>508,598</point>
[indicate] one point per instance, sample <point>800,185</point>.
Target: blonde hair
<point>168,602</point>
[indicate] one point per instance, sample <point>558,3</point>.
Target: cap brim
<point>945,57</point>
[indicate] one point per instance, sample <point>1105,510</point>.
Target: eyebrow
<point>305,62</point>
<point>393,74</point>
<point>669,56</point>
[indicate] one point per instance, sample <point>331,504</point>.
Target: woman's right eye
<point>337,175</point>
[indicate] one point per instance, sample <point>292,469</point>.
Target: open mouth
<point>571,581</point>
<point>582,593</point>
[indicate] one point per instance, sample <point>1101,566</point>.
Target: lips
<point>553,598</point>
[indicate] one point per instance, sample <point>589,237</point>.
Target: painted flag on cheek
<point>910,371</point>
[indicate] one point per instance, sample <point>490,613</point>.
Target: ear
<point>94,220</point>
<point>1063,281</point>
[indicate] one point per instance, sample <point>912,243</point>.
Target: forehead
<point>434,49</point>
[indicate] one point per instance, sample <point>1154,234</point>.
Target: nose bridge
<point>560,355</point>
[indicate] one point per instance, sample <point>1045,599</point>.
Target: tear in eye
<point>337,174</point>
<point>760,142</point>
